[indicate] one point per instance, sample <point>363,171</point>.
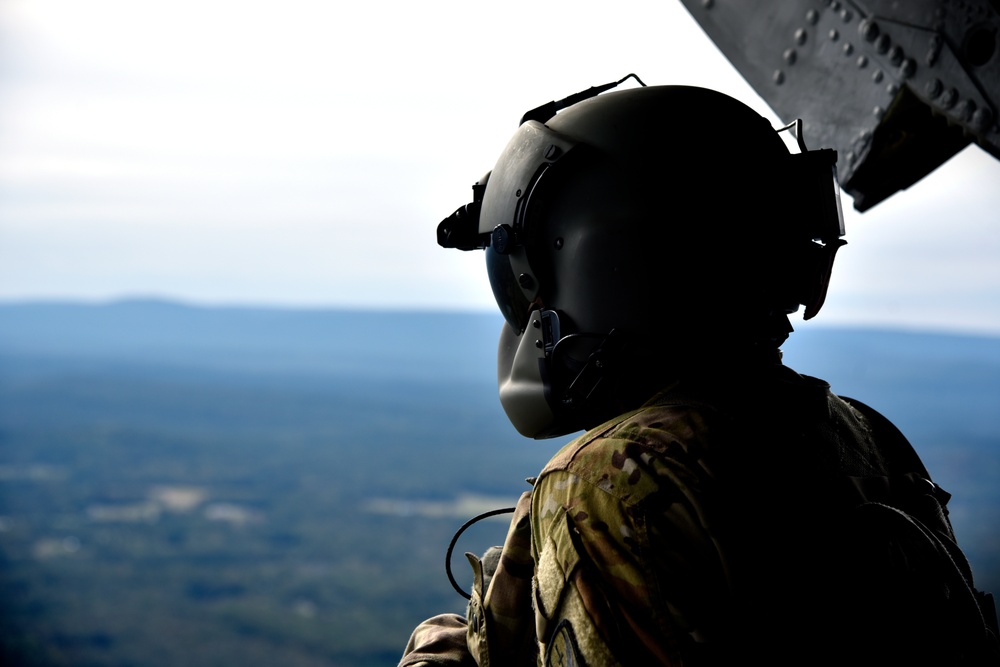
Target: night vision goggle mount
<point>461,229</point>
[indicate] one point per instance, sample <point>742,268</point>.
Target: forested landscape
<point>191,486</point>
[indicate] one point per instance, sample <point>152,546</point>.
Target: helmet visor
<point>507,291</point>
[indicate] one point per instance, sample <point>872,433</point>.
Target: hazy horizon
<point>489,310</point>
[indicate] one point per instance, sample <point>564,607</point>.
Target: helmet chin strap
<point>594,371</point>
<point>551,385</point>
<point>583,368</point>
<point>620,372</point>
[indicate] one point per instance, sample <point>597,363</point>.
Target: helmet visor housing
<point>515,187</point>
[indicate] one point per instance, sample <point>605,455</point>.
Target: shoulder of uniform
<point>665,426</point>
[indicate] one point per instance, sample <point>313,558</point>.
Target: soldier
<point>645,248</point>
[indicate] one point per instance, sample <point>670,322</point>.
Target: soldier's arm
<point>438,641</point>
<point>499,628</point>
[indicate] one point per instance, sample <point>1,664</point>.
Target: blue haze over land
<point>326,458</point>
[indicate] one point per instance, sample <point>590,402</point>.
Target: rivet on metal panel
<point>812,16</point>
<point>800,36</point>
<point>834,35</point>
<point>869,30</point>
<point>848,49</point>
<point>789,56</point>
<point>948,98</point>
<point>877,112</point>
<point>708,4</point>
<point>778,77</point>
<point>835,6</point>
<point>934,50</point>
<point>933,88</point>
<point>982,118</point>
<point>908,68</point>
<point>862,61</point>
<point>883,43</point>
<point>877,76</point>
<point>847,15</point>
<point>892,89</point>
<point>896,55</point>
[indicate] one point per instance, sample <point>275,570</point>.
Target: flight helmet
<point>634,230</point>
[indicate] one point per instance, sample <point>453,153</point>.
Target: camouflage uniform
<point>668,535</point>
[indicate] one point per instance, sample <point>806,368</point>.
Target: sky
<point>302,153</point>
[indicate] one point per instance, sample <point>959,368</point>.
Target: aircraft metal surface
<point>897,88</point>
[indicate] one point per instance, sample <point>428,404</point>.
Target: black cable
<point>454,540</point>
<point>549,109</point>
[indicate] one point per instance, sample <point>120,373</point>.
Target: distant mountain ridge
<point>129,327</point>
<point>415,344</point>
<point>403,343</point>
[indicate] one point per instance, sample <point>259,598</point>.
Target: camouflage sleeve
<point>499,628</point>
<point>438,641</point>
<point>627,565</point>
<point>500,613</point>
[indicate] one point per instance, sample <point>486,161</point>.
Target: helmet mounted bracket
<point>461,229</point>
